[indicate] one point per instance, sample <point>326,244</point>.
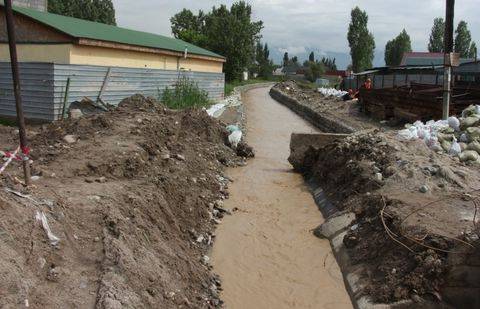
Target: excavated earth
<point>416,229</point>
<point>133,194</point>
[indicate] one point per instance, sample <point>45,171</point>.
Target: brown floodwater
<point>266,254</point>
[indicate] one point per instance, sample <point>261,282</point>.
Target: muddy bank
<point>407,231</point>
<point>413,227</point>
<point>265,253</point>
<point>133,196</point>
<point>330,115</point>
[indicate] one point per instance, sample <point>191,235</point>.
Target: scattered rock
<point>75,113</point>
<point>205,260</point>
<point>180,157</point>
<point>70,139</point>
<point>424,189</point>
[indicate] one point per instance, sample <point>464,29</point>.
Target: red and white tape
<point>10,158</point>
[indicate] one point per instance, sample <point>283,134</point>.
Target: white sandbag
<point>455,149</point>
<point>454,123</point>
<point>235,138</point>
<point>468,155</point>
<point>407,134</point>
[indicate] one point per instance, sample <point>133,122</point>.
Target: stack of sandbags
<point>456,136</point>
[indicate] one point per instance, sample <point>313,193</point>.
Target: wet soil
<point>266,253</point>
<point>131,197</point>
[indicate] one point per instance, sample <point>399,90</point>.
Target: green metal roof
<point>80,28</point>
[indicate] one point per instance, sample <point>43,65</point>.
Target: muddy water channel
<point>266,253</point>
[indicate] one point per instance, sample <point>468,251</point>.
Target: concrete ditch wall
<point>323,122</point>
<point>337,224</point>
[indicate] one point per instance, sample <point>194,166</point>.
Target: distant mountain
<point>343,59</point>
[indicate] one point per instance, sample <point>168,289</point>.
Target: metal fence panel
<point>36,81</point>
<point>43,86</point>
<point>87,81</point>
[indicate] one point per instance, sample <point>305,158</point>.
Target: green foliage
<point>228,32</point>
<point>294,60</point>
<point>264,66</point>
<point>361,41</point>
<point>185,94</point>
<point>7,122</point>
<point>285,59</point>
<point>395,48</point>
<point>101,11</point>
<point>473,51</point>
<point>463,39</point>
<point>329,64</point>
<point>189,27</point>
<point>437,36</point>
<point>230,86</point>
<point>311,57</point>
<point>314,71</point>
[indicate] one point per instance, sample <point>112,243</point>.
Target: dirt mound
<point>133,194</point>
<point>412,210</point>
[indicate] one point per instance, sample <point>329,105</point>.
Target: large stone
<point>75,113</point>
<point>334,225</point>
<point>70,139</point>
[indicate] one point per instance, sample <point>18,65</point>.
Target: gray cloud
<point>320,24</point>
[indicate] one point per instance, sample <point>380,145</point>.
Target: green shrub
<point>185,94</point>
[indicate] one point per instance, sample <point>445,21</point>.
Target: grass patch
<point>307,85</point>
<point>7,122</point>
<point>184,94</point>
<point>230,86</point>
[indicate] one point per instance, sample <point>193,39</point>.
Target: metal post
<point>16,89</point>
<point>65,98</point>
<point>447,78</point>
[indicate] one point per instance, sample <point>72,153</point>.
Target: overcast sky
<point>322,24</point>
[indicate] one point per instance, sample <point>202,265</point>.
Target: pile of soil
<point>133,194</point>
<point>347,112</point>
<point>414,211</point>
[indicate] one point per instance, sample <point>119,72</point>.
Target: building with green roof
<point>91,54</point>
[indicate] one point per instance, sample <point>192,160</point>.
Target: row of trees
<point>362,42</point>
<point>228,32</point>
<point>463,43</point>
<point>101,11</point>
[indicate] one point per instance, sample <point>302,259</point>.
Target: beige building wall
<point>58,53</point>
<point>93,55</point>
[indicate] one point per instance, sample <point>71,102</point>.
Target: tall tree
<point>436,43</point>
<point>311,57</point>
<point>463,39</point>
<point>473,51</point>
<point>294,59</point>
<point>229,32</point>
<point>189,27</point>
<point>329,64</point>
<point>233,34</point>
<point>361,41</point>
<point>101,11</point>
<point>285,59</point>
<point>264,66</point>
<point>315,70</point>
<point>395,48</point>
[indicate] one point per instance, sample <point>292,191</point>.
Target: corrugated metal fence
<point>44,84</point>
<point>394,80</point>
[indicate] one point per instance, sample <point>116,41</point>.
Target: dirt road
<point>265,253</point>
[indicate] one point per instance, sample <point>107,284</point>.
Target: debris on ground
<point>123,212</point>
<point>332,106</point>
<point>458,137</point>
<point>416,210</point>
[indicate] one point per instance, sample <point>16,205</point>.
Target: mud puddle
<point>266,254</point>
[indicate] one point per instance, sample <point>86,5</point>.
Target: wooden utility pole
<point>448,40</point>
<point>16,89</point>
